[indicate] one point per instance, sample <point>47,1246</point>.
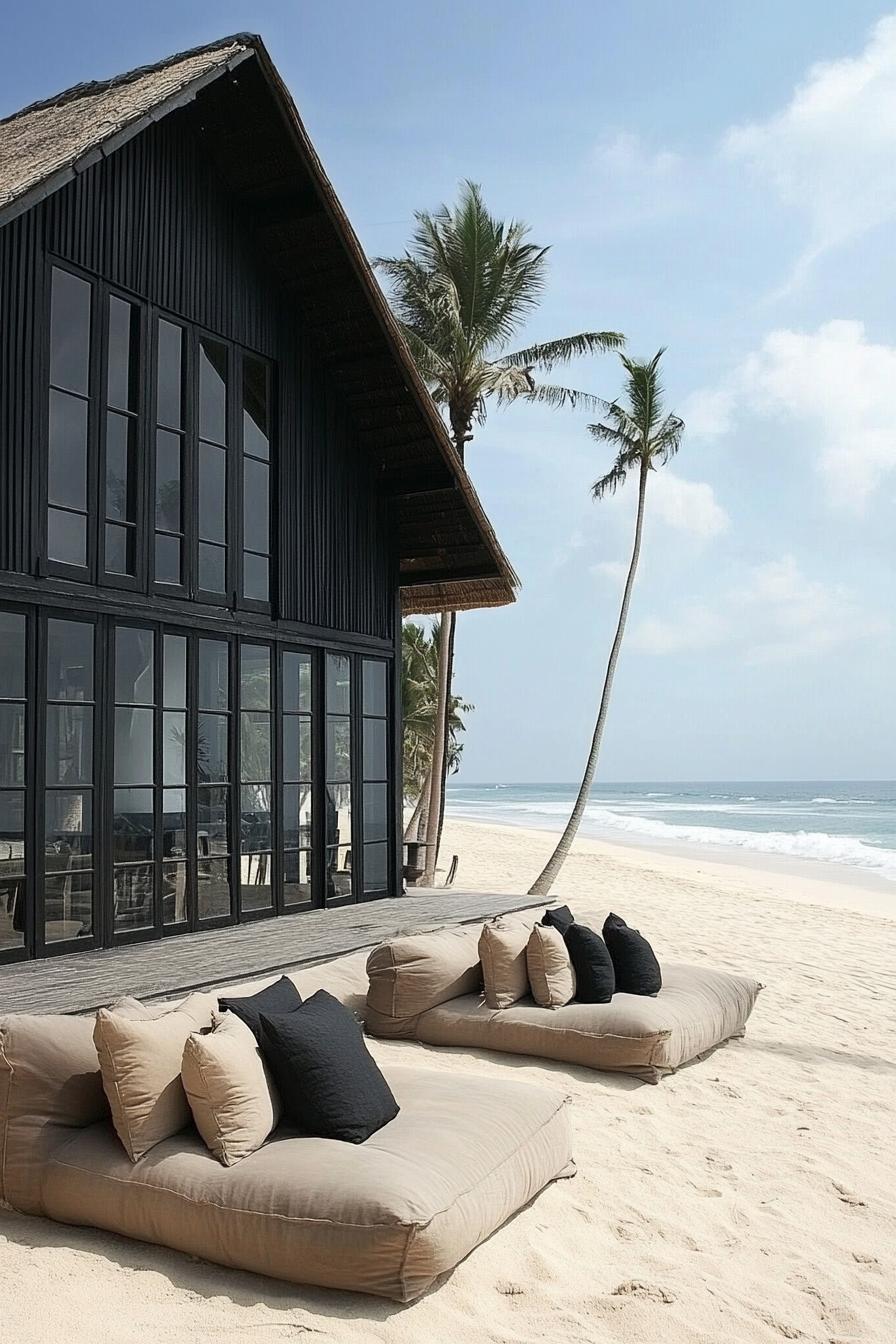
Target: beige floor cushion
<point>502,954</point>
<point>552,979</point>
<point>140,1059</point>
<point>410,974</point>
<point>387,1216</point>
<point>696,1009</point>
<point>231,1094</point>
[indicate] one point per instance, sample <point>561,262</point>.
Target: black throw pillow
<point>595,980</point>
<point>559,919</point>
<point>328,1081</point>
<point>280,997</point>
<point>634,961</point>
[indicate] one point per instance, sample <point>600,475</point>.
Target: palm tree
<point>461,293</point>
<point>643,436</point>
<point>419,679</point>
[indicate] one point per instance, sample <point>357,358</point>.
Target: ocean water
<point>852,825</point>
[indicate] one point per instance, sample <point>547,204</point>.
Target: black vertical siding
<point>155,220</point>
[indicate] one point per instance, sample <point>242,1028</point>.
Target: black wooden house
<point>221,483</point>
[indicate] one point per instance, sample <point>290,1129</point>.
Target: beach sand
<point>750,1197</point>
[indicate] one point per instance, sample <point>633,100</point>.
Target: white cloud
<point>829,153</point>
<point>777,614</point>
<point>614,571</point>
<point>689,506</point>
<point>836,384</point>
<point>625,153</point>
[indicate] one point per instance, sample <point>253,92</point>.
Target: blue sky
<point>713,178</point>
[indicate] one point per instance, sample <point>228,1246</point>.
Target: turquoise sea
<point>848,824</point>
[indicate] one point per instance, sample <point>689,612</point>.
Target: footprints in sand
<point>847,1196</point>
<point>638,1288</point>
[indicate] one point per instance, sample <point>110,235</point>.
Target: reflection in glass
<point>255,577</point>
<point>133,746</point>
<point>174,673</point>
<point>256,506</point>
<point>297,887</point>
<point>255,818</point>
<point>376,867</point>
<point>296,681</point>
<point>132,826</point>
<point>212,493</point>
<point>214,888</point>
<point>375,749</point>
<point>174,748</point>
<point>255,676</point>
<point>338,684</point>
<point>213,838</point>
<point>374,686</point>
<point>12,654</point>
<point>69,660</point>
<point>67,537</point>
<point>296,816</point>
<point>12,744</point>
<point>69,751</point>
<point>169,394</point>
<point>121,550</point>
<point>68,825</point>
<point>169,474</point>
<point>255,408</point>
<point>12,868</point>
<point>121,475</point>
<point>134,679</point>
<point>212,568</point>
<point>133,896</point>
<point>213,755</point>
<point>296,747</point>
<point>214,664</point>
<point>174,823</point>
<point>339,749</point>
<point>69,331</point>
<point>123,372</point>
<point>174,893</point>
<point>255,747</point>
<point>167,559</point>
<point>67,469</point>
<point>376,805</point>
<point>212,391</point>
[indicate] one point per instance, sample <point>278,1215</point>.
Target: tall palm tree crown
<point>462,292</point>
<point>644,437</point>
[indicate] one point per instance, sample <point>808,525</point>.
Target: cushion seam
<point>661,1034</point>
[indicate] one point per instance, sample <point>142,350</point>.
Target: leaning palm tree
<point>643,436</point>
<point>419,679</point>
<point>461,292</point>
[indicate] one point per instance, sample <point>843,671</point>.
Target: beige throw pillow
<point>231,1094</point>
<point>502,951</point>
<point>551,975</point>
<point>140,1056</point>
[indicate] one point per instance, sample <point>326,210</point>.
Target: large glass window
<point>175,791</point>
<point>256,479</point>
<point>69,779</point>
<point>69,416</point>
<point>375,776</point>
<point>170,454</point>
<point>133,821</point>
<point>297,775</point>
<point>212,485</point>
<point>13,781</point>
<point>213,846</point>
<point>338,800</point>
<point>122,427</point>
<point>256,778</point>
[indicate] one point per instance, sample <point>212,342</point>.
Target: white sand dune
<point>750,1197</point>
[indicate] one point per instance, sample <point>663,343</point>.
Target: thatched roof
<point>448,553</point>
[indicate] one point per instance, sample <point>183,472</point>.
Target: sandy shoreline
<point>750,1197</point>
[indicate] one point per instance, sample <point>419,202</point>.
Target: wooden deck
<point>84,981</point>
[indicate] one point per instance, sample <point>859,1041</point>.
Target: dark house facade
<point>221,483</point>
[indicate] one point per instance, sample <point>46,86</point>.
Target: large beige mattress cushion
<point>696,1009</point>
<point>502,954</point>
<point>387,1216</point>
<point>232,1096</point>
<point>140,1055</point>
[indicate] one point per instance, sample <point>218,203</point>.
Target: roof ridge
<point>88,87</point>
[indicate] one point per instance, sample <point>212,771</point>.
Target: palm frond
<point>548,354</point>
<point>614,479</point>
<point>559,397</point>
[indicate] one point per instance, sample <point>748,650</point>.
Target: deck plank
<point>84,981</point>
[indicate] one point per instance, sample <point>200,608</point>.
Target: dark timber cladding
<point>222,482</point>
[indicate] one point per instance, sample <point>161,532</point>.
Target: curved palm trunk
<point>452,617</point>
<point>437,768</point>
<point>545,880</point>
<point>410,831</point>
